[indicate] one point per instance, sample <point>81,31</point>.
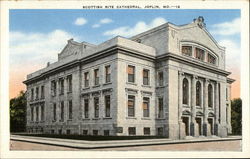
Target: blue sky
<point>37,36</point>
<point>45,21</point>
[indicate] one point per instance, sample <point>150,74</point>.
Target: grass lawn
<point>91,138</point>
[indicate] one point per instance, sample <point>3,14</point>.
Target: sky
<point>37,36</point>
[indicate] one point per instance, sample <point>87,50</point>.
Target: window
<point>131,106</point>
<point>210,96</point>
<point>107,74</point>
<point>68,132</point>
<point>42,92</point>
<point>62,111</point>
<point>60,131</point>
<point>227,108</point>
<point>160,131</point>
<point>32,113</point>
<point>160,107</point>
<point>96,76</point>
<point>70,109</point>
<point>160,78</point>
<point>32,94</point>
<point>106,132</point>
<point>185,91</point>
<point>186,50</point>
<point>211,59</point>
<point>85,132</point>
<point>86,79</point>
<point>52,131</point>
<point>37,92</point>
<point>131,73</point>
<point>53,88</point>
<point>69,83</point>
<point>96,105</point>
<point>145,77</point>
<point>146,131</point>
<point>37,113</point>
<point>86,108</point>
<point>61,81</point>
<point>199,54</point>
<point>198,94</point>
<point>54,111</point>
<point>145,107</point>
<point>42,112</point>
<point>107,106</point>
<point>95,132</point>
<point>131,131</point>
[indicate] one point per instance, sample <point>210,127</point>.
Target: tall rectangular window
<point>54,111</point>
<point>199,54</point>
<point>61,82</point>
<point>53,88</point>
<point>37,92</point>
<point>69,83</point>
<point>186,50</point>
<point>96,105</point>
<point>42,92</point>
<point>32,113</point>
<point>107,106</point>
<point>131,73</point>
<point>160,107</point>
<point>86,108</point>
<point>131,106</point>
<point>32,94</point>
<point>37,113</point>
<point>70,109</point>
<point>42,112</point>
<point>145,107</point>
<point>86,79</point>
<point>96,76</point>
<point>145,77</point>
<point>62,111</point>
<point>160,78</point>
<point>107,74</point>
<point>146,131</point>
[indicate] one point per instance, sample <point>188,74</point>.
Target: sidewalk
<point>83,144</point>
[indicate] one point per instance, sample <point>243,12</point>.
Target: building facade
<point>168,81</point>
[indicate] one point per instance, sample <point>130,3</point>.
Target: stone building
<point>169,81</point>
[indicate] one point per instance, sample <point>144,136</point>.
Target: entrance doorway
<point>185,120</point>
<point>198,121</point>
<point>210,123</point>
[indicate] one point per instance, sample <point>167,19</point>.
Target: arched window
<point>198,93</point>
<point>185,91</point>
<point>210,95</point>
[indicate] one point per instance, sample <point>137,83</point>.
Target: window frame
<point>132,107</point>
<point>107,105</point>
<point>107,69</point>
<point>146,79</point>
<point>96,76</point>
<point>96,107</point>
<point>146,112</point>
<point>131,76</point>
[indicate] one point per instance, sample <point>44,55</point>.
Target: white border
<point>4,116</point>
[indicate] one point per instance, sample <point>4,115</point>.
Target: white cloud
<point>227,28</point>
<point>80,21</point>
<point>106,21</point>
<point>101,22</point>
<point>138,28</point>
<point>34,48</point>
<point>233,53</point>
<point>96,26</point>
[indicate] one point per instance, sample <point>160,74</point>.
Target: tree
<point>236,116</point>
<point>18,113</point>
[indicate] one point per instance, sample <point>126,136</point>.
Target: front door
<point>185,120</point>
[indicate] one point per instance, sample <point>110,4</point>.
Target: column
<point>181,131</point>
<point>216,125</point>
<point>205,106</point>
<point>193,105</point>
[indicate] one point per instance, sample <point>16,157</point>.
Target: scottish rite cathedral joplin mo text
<point>168,81</point>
